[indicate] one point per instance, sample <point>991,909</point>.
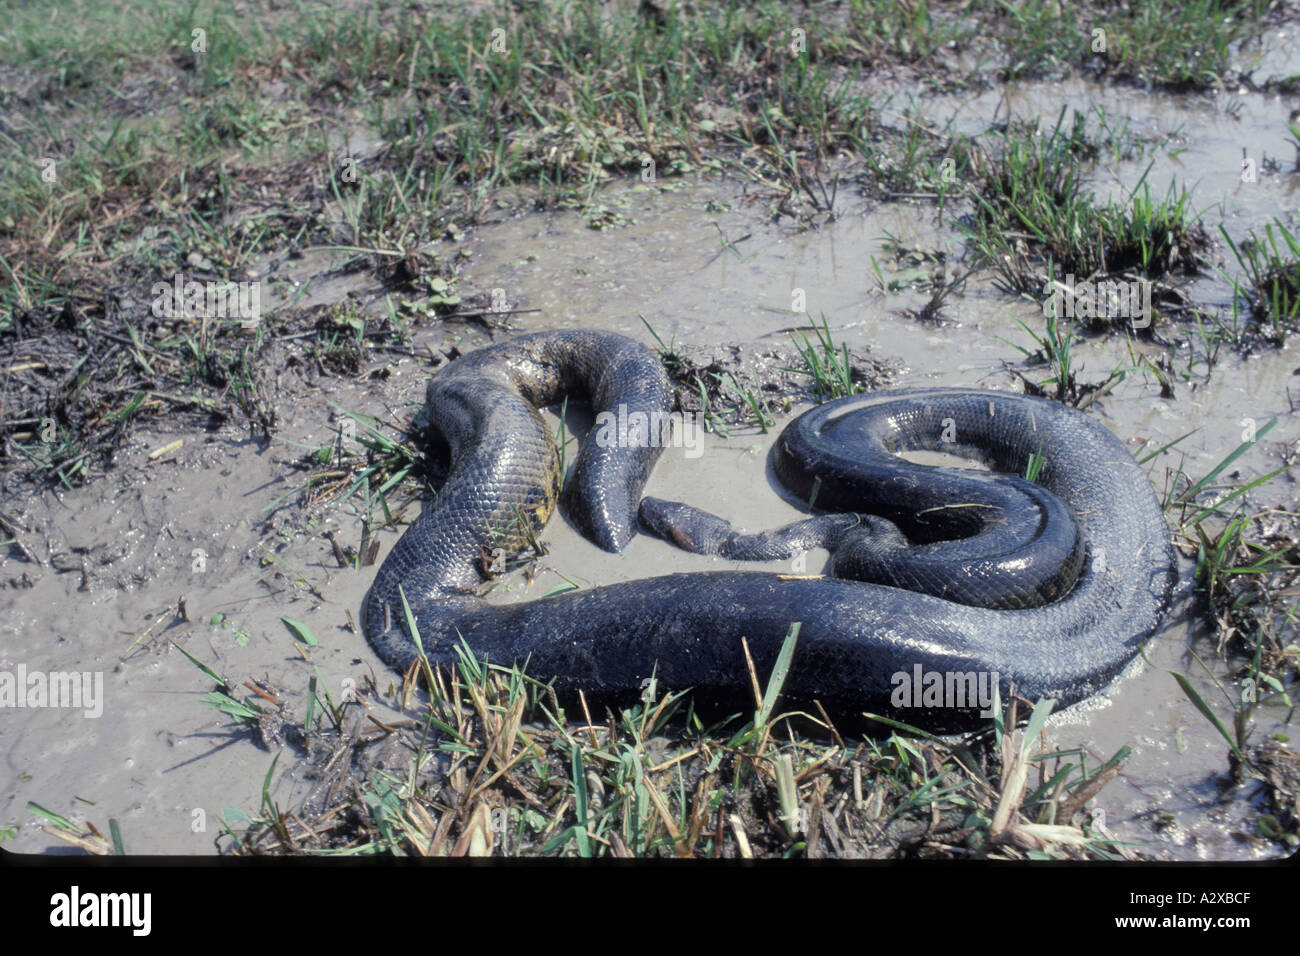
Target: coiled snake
<point>1087,543</point>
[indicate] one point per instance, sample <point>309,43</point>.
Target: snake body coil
<point>1087,544</point>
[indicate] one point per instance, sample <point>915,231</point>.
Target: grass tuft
<point>1271,290</point>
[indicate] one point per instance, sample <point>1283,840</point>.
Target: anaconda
<point>1079,563</point>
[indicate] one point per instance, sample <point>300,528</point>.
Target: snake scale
<point>1078,565</point>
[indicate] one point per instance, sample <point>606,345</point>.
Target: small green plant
<point>246,712</point>
<point>762,417</point>
<point>674,361</point>
<point>1271,264</point>
<point>826,363</point>
<point>1054,348</point>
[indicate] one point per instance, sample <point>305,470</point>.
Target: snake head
<point>689,528</point>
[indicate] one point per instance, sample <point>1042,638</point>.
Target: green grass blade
<point>1223,465</point>
<point>116,833</point>
<point>201,666</point>
<point>580,804</point>
<point>1042,710</point>
<point>63,823</point>
<point>1199,703</point>
<point>300,630</point>
<point>780,670</point>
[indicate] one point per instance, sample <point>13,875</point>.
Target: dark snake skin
<point>1079,565</point>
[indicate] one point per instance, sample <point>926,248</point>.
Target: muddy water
<point>201,525</point>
